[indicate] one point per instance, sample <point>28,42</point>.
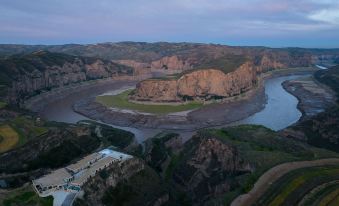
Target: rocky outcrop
<point>96,187</point>
<point>140,68</point>
<point>168,65</point>
<point>266,63</point>
<point>321,130</point>
<point>27,157</point>
<point>157,91</point>
<point>171,63</point>
<point>199,84</point>
<point>30,74</point>
<point>208,164</point>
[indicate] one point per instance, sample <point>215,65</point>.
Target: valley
<point>204,124</point>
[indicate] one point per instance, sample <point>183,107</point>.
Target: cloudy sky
<point>275,23</point>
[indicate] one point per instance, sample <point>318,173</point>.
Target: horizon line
<point>169,42</point>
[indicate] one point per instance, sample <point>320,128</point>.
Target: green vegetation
<point>156,152</point>
<point>226,64</point>
<point>37,62</point>
<point>109,135</point>
<point>321,194</point>
<point>2,104</point>
<point>64,153</point>
<point>173,163</point>
<point>142,187</point>
<point>25,196</point>
<point>28,127</point>
<point>292,187</point>
<point>9,138</point>
<point>18,131</point>
<point>322,130</point>
<point>121,101</point>
<point>119,195</point>
<point>330,77</point>
<point>263,149</point>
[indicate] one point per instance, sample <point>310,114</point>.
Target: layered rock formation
<point>27,75</point>
<point>183,55</point>
<point>208,166</point>
<point>96,187</point>
<point>199,84</point>
<point>171,63</point>
<point>168,64</point>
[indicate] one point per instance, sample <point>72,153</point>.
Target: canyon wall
<point>207,167</point>
<point>96,187</point>
<point>198,84</point>
<point>27,75</point>
<point>167,65</point>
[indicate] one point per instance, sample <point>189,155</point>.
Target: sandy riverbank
<point>313,96</point>
<point>233,109</point>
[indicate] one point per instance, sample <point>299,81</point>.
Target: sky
<point>274,23</point>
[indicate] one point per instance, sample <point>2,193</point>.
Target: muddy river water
<point>279,111</point>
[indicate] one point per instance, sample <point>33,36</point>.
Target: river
<point>279,112</point>
<point>280,109</point>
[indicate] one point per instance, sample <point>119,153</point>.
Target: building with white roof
<point>75,175</point>
<point>58,179</point>
<point>84,162</point>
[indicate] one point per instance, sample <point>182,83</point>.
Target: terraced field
<point>19,131</point>
<point>8,138</point>
<point>307,186</point>
<point>264,149</point>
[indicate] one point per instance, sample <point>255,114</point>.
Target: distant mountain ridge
<point>28,69</point>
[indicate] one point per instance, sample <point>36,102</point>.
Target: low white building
<point>72,177</point>
<point>56,180</point>
<point>84,163</point>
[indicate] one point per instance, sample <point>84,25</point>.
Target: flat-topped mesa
<point>201,84</point>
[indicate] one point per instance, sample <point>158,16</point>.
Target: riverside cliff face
<point>200,84</point>
<point>27,75</point>
<point>207,167</point>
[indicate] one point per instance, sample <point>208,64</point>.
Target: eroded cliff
<point>22,76</point>
<point>198,84</point>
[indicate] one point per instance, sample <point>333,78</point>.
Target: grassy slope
<point>121,101</point>
<point>292,187</point>
<point>259,146</point>
<point>9,138</point>
<point>25,128</point>
<point>320,131</point>
<point>25,196</point>
<point>263,149</point>
<point>330,77</point>
<point>18,65</point>
<point>226,64</point>
<point>111,136</point>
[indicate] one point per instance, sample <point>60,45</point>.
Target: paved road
<point>272,175</point>
<point>69,200</point>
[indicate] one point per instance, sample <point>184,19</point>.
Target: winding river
<point>280,109</point>
<point>279,112</point>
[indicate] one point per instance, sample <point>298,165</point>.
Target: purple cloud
<point>306,23</point>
